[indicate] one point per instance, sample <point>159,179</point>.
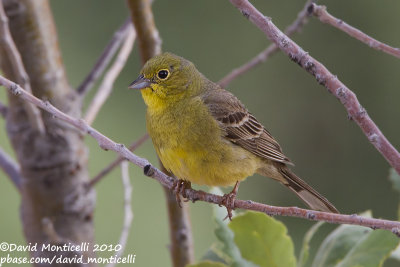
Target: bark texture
<point>54,164</point>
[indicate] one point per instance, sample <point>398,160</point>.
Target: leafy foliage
<point>352,245</point>
<point>254,239</point>
<point>263,240</point>
<point>305,250</point>
<point>207,264</point>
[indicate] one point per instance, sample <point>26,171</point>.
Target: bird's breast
<point>190,144</point>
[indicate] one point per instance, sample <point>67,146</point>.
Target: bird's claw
<point>228,200</point>
<point>179,188</point>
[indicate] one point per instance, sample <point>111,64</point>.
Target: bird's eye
<point>163,74</point>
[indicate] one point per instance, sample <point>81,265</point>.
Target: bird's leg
<point>228,200</point>
<point>179,188</point>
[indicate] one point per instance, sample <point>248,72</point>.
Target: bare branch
<point>107,84</point>
<point>11,168</point>
<point>104,59</point>
<point>117,161</point>
<point>325,78</point>
<point>148,38</point>
<point>322,14</point>
<point>3,110</point>
<point>296,26</point>
<point>127,209</point>
<point>181,247</point>
<point>18,69</point>
<point>196,195</point>
<point>180,232</point>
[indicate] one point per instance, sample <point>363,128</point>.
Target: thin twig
<point>11,168</point>
<point>104,59</point>
<point>325,78</point>
<point>107,84</point>
<point>322,14</point>
<point>18,70</point>
<point>3,110</point>
<point>296,26</point>
<point>117,161</point>
<point>195,195</point>
<point>128,217</point>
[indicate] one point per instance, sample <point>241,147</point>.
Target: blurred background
<point>330,152</point>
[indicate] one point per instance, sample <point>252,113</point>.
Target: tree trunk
<point>54,165</point>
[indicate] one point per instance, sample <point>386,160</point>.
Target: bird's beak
<point>140,83</point>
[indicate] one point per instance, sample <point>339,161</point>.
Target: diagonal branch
<point>107,84</point>
<point>322,14</point>
<point>128,217</point>
<point>296,26</point>
<point>117,161</point>
<point>18,70</point>
<point>198,195</point>
<point>104,59</point>
<point>325,78</point>
<point>11,168</point>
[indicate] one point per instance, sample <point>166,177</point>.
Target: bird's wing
<point>241,127</point>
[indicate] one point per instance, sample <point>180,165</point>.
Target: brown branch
<point>107,84</point>
<point>325,78</point>
<point>148,37</point>
<point>322,14</point>
<point>3,110</point>
<point>296,26</point>
<point>197,195</point>
<point>180,230</point>
<point>11,168</point>
<point>117,161</point>
<point>18,70</point>
<point>128,217</point>
<point>104,59</point>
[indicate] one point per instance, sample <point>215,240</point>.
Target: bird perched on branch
<point>204,134</point>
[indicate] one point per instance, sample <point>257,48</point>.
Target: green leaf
<point>229,252</point>
<point>305,250</point>
<point>352,245</point>
<point>215,254</point>
<point>396,254</point>
<point>372,250</point>
<point>207,264</point>
<point>394,177</point>
<point>338,243</point>
<point>263,240</point>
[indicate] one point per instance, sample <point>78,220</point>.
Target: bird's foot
<point>179,188</point>
<point>228,200</point>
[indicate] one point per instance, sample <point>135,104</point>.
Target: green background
<point>330,152</point>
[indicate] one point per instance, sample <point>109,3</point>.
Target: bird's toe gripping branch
<point>228,200</point>
<point>179,188</point>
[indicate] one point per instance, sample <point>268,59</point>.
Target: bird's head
<point>166,79</point>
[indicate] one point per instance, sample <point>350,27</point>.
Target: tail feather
<point>305,192</point>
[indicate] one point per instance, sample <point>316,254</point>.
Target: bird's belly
<point>215,165</point>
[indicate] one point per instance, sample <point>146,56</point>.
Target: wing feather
<point>241,127</point>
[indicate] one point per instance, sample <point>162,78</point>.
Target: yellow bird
<point>204,134</point>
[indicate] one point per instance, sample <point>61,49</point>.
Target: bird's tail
<point>305,192</point>
<point>313,199</point>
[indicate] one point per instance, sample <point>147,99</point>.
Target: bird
<point>204,135</point>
